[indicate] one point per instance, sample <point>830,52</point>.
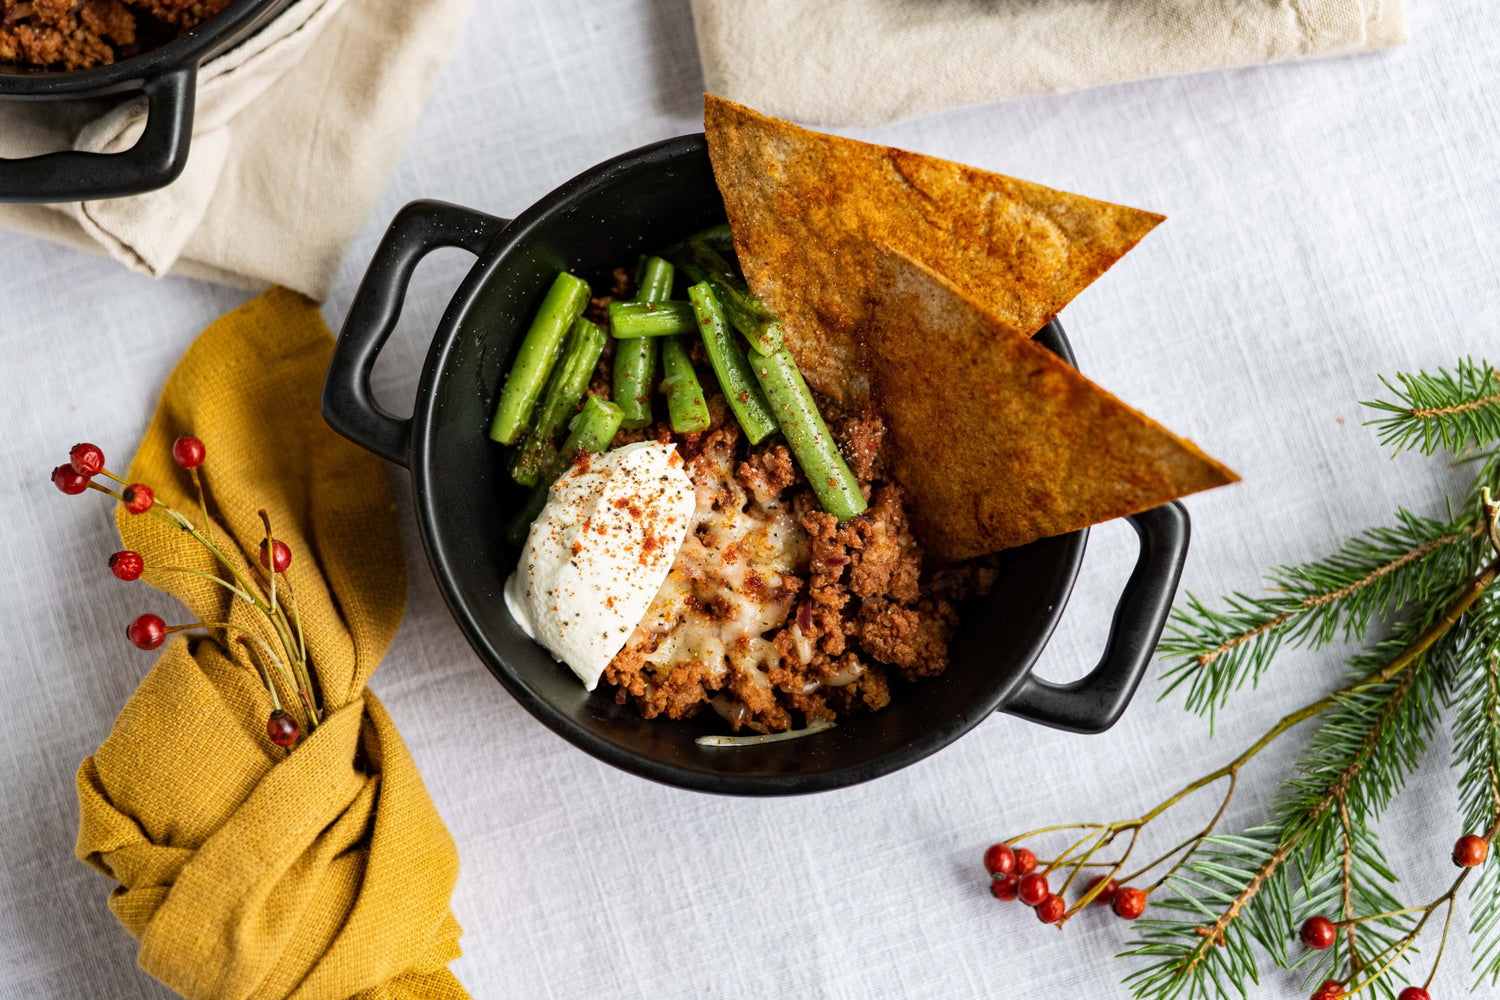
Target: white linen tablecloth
<point>1327,222</point>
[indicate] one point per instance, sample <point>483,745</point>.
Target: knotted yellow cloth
<point>246,870</point>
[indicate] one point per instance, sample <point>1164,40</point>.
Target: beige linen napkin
<point>296,131</point>
<point>865,62</point>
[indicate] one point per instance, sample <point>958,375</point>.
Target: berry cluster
<point>1319,932</point>
<point>1014,875</point>
<point>149,631</point>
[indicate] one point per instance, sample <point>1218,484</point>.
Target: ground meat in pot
<point>860,610</point>
<point>81,34</point>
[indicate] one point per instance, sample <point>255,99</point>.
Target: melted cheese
<point>725,590</point>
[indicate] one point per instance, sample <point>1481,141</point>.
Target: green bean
<point>635,359</point>
<point>563,304</point>
<point>700,262</point>
<point>628,320</point>
<point>655,284</point>
<point>685,403</point>
<point>593,429</point>
<point>728,359</point>
<point>807,434</point>
<point>565,390</point>
<point>720,238</point>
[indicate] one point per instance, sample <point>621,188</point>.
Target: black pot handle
<point>1093,703</point>
<point>417,230</point>
<point>155,160</point>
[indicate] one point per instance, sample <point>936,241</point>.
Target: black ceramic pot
<point>603,218</point>
<point>167,75</point>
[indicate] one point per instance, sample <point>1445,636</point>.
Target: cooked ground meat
<point>855,610</point>
<point>80,34</point>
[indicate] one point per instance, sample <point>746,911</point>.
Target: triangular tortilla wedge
<point>998,441</point>
<point>806,209</point>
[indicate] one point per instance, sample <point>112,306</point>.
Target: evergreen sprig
<point>1448,411</point>
<point>1367,744</point>
<point>1357,886</point>
<point>1215,652</point>
<point>1475,671</point>
<point>1238,884</point>
<point>1418,594</point>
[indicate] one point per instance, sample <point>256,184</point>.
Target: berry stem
<point>264,675</point>
<point>297,624</point>
<point>1056,829</point>
<point>1442,943</point>
<point>105,490</point>
<point>239,634</point>
<point>1346,888</point>
<point>274,614</point>
<point>270,544</point>
<point>207,576</point>
<point>307,704</point>
<point>1113,874</point>
<point>208,526</point>
<point>293,641</point>
<point>1191,844</point>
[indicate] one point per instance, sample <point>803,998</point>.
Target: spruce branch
<point>1372,738</point>
<point>1356,887</point>
<point>1447,411</point>
<point>1231,894</point>
<point>1475,668</point>
<point>1217,652</point>
<point>1419,595</point>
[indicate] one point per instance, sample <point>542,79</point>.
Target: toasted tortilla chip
<point>807,209</point>
<point>998,440</point>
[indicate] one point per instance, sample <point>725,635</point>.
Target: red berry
<point>1470,851</point>
<point>147,632</point>
<point>1331,989</point>
<point>1318,933</point>
<point>127,565</point>
<point>1051,909</point>
<point>1004,889</point>
<point>138,498</point>
<point>999,859</point>
<point>283,557</point>
<point>1129,903</point>
<point>282,728</point>
<point>1107,894</point>
<point>69,480</point>
<point>1413,993</point>
<point>1033,888</point>
<point>1025,861</point>
<point>87,459</point>
<point>187,452</point>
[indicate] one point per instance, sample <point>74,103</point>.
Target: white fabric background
<point>1328,221</point>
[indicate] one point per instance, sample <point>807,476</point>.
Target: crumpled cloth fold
<point>246,870</point>
<point>867,62</point>
<point>295,134</point>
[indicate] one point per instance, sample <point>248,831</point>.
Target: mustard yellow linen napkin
<point>246,870</point>
<point>865,62</point>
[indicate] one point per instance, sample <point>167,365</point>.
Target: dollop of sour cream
<point>599,552</point>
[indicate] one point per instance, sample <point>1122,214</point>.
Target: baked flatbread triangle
<point>998,440</point>
<point>806,208</point>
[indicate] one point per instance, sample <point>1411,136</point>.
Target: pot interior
<point>237,21</point>
<point>602,220</point>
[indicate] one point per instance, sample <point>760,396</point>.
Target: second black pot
<point>166,75</point>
